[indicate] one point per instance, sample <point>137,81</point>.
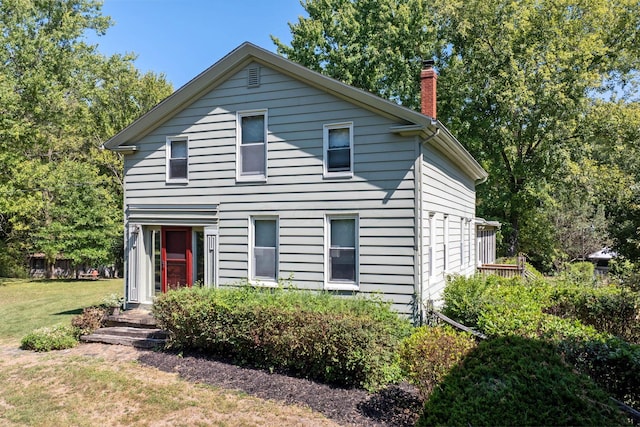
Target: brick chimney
<point>428,79</point>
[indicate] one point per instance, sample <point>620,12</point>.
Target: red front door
<point>177,266</point>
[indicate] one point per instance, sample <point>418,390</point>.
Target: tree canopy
<point>59,100</point>
<point>518,82</point>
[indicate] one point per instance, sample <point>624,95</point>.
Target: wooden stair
<point>135,328</point>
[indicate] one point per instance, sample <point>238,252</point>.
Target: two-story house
<point>260,169</point>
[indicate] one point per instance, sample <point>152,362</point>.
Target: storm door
<point>177,267</point>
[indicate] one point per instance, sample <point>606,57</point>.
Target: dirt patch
<point>393,406</point>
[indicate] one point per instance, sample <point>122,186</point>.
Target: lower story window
<point>265,249</point>
<point>342,268</point>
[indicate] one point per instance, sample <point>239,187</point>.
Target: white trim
<point>325,148</point>
<point>240,177</point>
<point>261,281</point>
<point>169,141</point>
<point>341,285</point>
<point>211,257</point>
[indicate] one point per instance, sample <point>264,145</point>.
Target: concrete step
<point>128,331</point>
<point>147,343</point>
<point>130,336</point>
<point>132,318</point>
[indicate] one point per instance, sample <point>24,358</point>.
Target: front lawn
<point>26,305</point>
<point>95,385</point>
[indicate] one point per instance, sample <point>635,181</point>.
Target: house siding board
<point>381,191</point>
<point>446,191</point>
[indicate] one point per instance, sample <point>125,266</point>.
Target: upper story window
<point>251,145</point>
<point>338,150</point>
<point>264,249</point>
<point>177,152</point>
<point>342,252</point>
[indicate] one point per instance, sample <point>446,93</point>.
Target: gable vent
<point>253,77</point>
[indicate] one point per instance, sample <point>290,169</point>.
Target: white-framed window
<point>445,241</point>
<point>263,249</point>
<point>462,241</point>
<point>177,153</point>
<point>338,150</point>
<point>470,235</point>
<point>432,243</point>
<point>342,252</point>
<point>251,142</point>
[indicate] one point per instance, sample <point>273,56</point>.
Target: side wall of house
<point>448,230</point>
<point>381,192</point>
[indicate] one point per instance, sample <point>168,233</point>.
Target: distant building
<point>601,260</point>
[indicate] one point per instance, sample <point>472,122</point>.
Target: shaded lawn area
<point>26,305</point>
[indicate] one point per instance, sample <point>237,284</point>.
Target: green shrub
<point>430,353</point>
<point>611,309</point>
<point>51,338</point>
<point>516,381</point>
<point>91,319</point>
<point>462,296</point>
<point>579,273</point>
<point>344,341</point>
<point>511,307</point>
<point>612,363</point>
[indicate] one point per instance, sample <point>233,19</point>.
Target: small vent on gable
<point>253,77</point>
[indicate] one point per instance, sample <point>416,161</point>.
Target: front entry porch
<point>168,247</point>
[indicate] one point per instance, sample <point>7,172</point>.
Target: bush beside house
<point>507,307</point>
<point>349,342</point>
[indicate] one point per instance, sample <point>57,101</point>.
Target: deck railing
<point>502,270</point>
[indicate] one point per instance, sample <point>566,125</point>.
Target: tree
<point>516,78</point>
<point>612,133</point>
<point>59,101</point>
<point>371,44</point>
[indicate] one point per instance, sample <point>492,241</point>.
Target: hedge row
<point>611,309</point>
<point>345,341</point>
<point>502,307</point>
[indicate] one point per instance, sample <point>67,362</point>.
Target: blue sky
<point>181,38</point>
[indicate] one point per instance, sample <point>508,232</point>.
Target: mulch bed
<point>396,405</point>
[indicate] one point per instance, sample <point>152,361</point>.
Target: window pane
<point>339,138</point>
<point>265,263</point>
<point>343,233</point>
<point>252,159</point>
<point>199,273</point>
<point>265,233</point>
<point>343,265</point>
<point>176,245</point>
<point>339,160</point>
<point>178,149</point>
<point>252,129</point>
<point>178,168</point>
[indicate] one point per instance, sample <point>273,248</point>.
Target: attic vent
<point>253,77</point>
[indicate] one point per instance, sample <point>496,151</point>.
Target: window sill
<point>335,286</point>
<point>266,283</point>
<point>337,175</point>
<point>251,179</point>
<point>177,181</point>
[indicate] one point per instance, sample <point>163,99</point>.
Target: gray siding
<point>381,192</point>
<point>448,199</point>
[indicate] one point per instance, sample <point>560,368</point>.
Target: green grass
<point>27,305</point>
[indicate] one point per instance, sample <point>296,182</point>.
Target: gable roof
<point>416,123</point>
